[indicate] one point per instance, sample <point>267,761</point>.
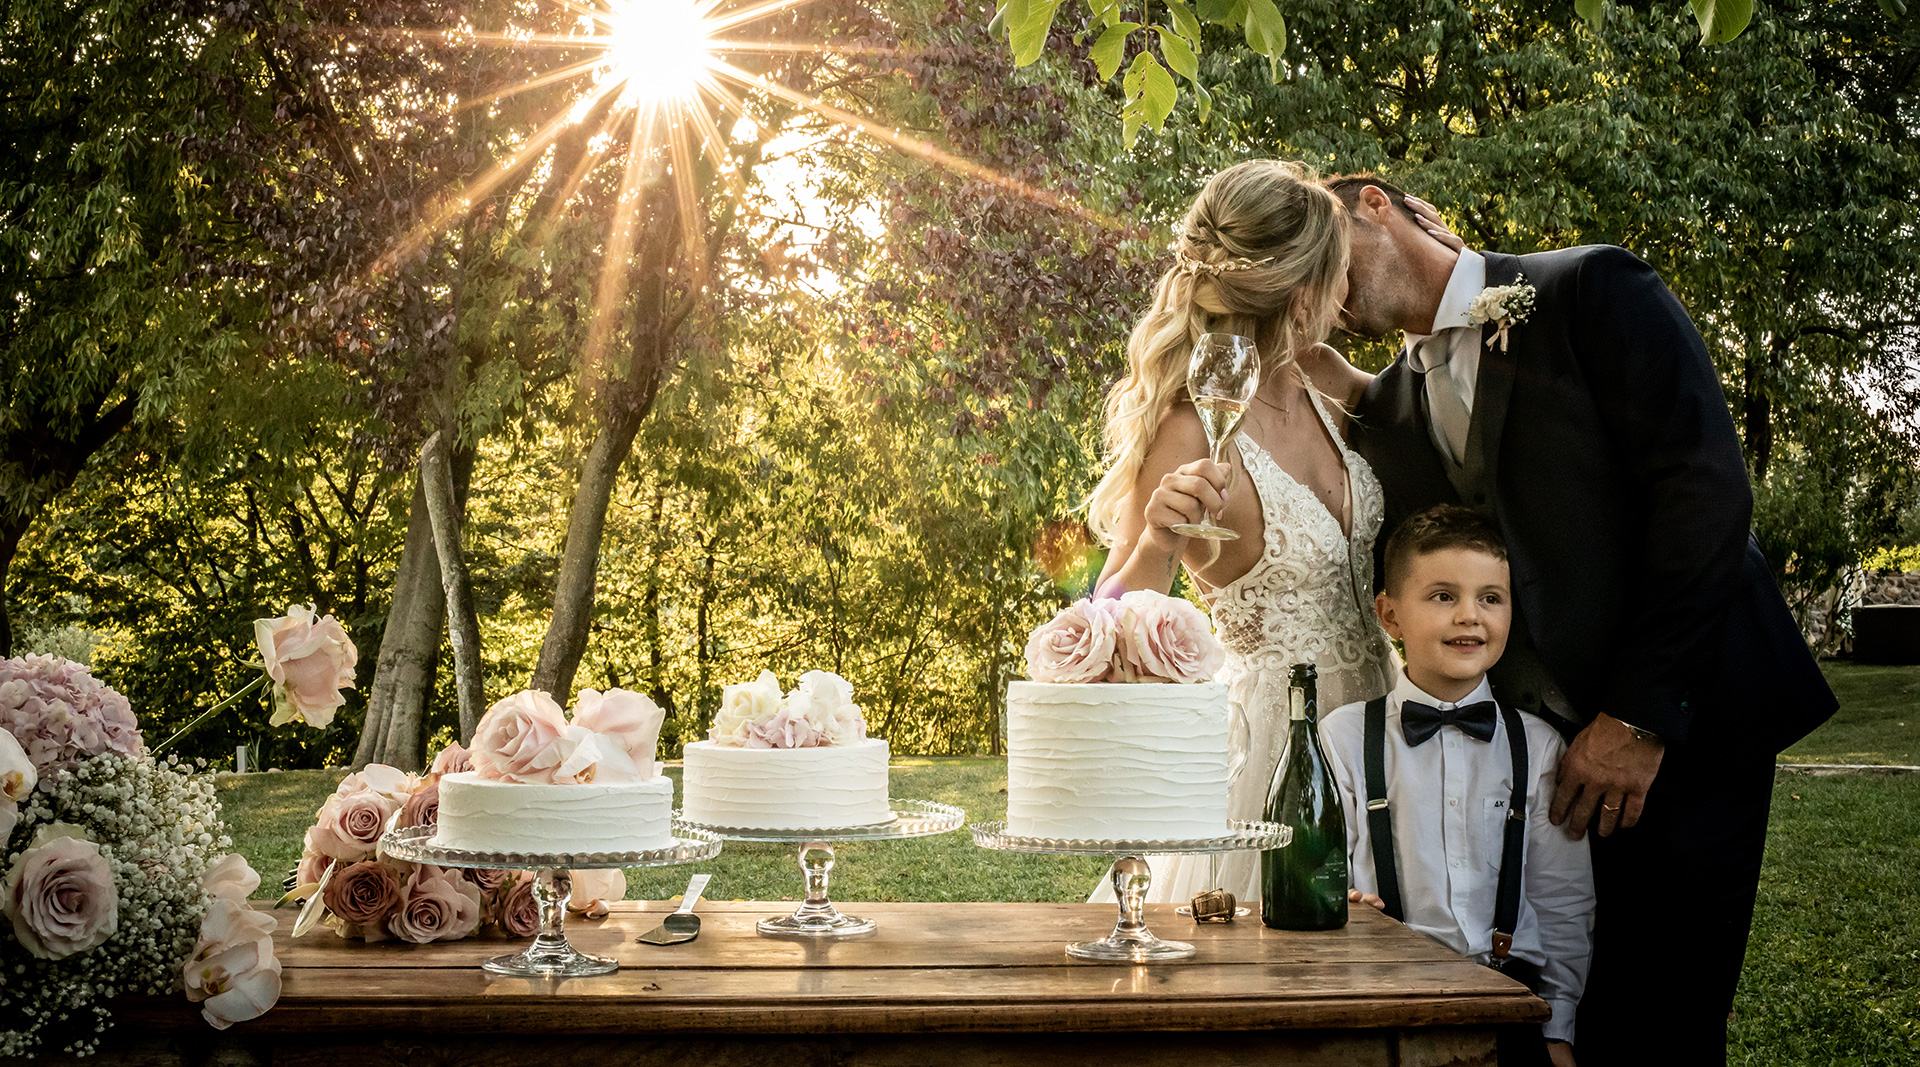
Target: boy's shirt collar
<point>1405,690</point>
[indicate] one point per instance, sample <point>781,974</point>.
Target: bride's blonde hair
<point>1260,254</point>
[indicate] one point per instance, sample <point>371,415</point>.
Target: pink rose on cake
<point>526,738</point>
<point>452,760</point>
<point>1078,645</point>
<point>628,725</point>
<point>742,706</point>
<point>1165,639</point>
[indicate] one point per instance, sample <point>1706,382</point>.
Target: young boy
<point>1430,840</point>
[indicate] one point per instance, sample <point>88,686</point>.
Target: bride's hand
<point>1429,217</point>
<point>1189,494</point>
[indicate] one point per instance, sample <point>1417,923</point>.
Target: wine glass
<point>1221,380</point>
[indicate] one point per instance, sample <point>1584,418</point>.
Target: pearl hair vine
<point>1187,262</point>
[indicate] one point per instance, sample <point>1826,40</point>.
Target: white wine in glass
<point>1221,380</point>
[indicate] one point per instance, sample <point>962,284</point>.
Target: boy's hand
<point>1560,1053</point>
<point>1357,897</point>
<point>1609,769</point>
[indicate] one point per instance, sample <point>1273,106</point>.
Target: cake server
<point>683,924</point>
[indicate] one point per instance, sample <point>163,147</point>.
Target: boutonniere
<point>1504,306</point>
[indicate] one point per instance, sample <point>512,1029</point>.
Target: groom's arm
<point>1657,392</point>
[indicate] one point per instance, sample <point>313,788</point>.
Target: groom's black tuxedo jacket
<point>1602,446</point>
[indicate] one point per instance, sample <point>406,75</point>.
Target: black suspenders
<point>1506,909</point>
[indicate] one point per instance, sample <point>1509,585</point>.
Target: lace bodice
<point>1309,598</point>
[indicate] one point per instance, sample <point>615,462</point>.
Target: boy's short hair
<point>1436,529</point>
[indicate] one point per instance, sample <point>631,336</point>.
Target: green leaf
<point>1722,20</point>
<point>1112,45</point>
<point>1594,11</point>
<point>1028,36</point>
<point>1205,101</point>
<point>1229,13</point>
<point>1158,93</point>
<point>1267,29</point>
<point>1105,12</point>
<point>1183,21</point>
<point>1179,54</point>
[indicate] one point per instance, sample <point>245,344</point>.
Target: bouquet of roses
<point>1142,636</point>
<point>114,876</point>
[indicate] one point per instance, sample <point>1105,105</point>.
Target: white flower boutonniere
<point>1504,306</point>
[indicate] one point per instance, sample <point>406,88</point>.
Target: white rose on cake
<point>744,706</point>
<point>629,727</point>
<point>825,701</point>
<point>1078,645</point>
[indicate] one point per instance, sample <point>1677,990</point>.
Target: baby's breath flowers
<point>103,872</point>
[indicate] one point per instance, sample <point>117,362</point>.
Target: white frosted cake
<point>482,815</point>
<point>543,784</point>
<point>786,788</point>
<point>1117,761</point>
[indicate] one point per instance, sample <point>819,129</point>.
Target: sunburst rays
<point>664,76</point>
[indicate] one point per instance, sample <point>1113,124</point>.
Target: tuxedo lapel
<point>1493,385</point>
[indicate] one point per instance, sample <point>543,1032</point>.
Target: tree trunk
<point>566,639</point>
<point>11,530</point>
<point>1758,416</point>
<point>395,730</point>
<point>463,623</point>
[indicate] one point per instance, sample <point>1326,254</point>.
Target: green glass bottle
<point>1303,886</point>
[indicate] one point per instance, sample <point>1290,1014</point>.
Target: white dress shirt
<point>1448,802</point>
<point>1468,280</point>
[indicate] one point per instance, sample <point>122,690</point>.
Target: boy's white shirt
<point>1448,800</point>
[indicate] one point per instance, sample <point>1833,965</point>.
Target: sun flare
<point>658,51</point>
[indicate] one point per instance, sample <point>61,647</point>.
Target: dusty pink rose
<point>789,728</point>
<point>516,739</point>
<point>60,895</point>
<point>593,890</point>
<point>363,894</point>
<point>1166,639</point>
<point>233,973</point>
<point>514,908</point>
<point>313,864</point>
<point>1078,645</point>
<point>489,879</point>
<point>230,878</point>
<point>349,825</point>
<point>436,905</point>
<point>452,759</point>
<point>826,700</point>
<point>631,721</point>
<point>59,715</point>
<point>423,807</point>
<point>310,659</point>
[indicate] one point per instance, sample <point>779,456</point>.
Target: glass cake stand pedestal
<point>1131,941</point>
<point>550,955</point>
<point>816,916</point>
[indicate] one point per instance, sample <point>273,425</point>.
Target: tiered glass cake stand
<point>816,916</point>
<point>1131,941</point>
<point>550,955</point>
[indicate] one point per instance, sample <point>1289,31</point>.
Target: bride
<point>1262,253</point>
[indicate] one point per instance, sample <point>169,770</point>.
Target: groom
<point>1566,395</point>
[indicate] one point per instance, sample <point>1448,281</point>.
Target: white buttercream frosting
<point>483,815</point>
<point>1108,761</point>
<point>786,788</point>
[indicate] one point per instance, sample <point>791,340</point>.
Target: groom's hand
<point>1609,769</point>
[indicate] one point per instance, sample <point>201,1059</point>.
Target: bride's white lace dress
<point>1309,599</point>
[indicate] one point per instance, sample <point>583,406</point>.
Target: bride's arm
<point>1178,482</point>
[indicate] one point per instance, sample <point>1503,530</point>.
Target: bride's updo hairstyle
<point>1260,254</point>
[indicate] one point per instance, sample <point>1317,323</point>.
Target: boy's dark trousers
<point>1522,1044</point>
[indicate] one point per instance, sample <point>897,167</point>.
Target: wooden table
<point>958,985</point>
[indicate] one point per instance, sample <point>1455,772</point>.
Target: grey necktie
<point>1449,412</point>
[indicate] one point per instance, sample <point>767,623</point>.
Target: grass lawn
<point>1832,974</point>
<point>1878,721</point>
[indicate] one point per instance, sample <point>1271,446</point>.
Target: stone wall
<point>1891,587</point>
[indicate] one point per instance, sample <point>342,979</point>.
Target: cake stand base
<point>817,917</point>
<point>544,961</point>
<point>1130,941</point>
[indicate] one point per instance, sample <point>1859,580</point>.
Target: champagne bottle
<point>1303,886</point>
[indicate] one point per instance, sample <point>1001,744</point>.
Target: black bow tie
<point>1420,721</point>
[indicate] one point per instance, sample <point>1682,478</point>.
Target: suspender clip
<point>1501,943</point>
<point>1377,805</point>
